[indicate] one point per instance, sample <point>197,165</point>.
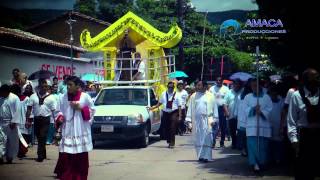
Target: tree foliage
<point>87,7</point>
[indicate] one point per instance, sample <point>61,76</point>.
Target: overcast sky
<point>201,5</point>
<point>224,5</point>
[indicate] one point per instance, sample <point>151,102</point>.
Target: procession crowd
<point>59,113</point>
<point>269,122</point>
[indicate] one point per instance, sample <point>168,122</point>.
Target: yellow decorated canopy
<point>139,32</point>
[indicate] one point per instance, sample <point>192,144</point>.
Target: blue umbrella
<point>177,74</point>
<point>91,77</point>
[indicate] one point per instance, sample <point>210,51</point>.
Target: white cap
<point>180,82</point>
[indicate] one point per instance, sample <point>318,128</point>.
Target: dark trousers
<point>23,150</point>
<point>41,125</point>
<point>289,154</point>
<point>307,162</point>
<point>233,131</point>
<point>215,130</point>
<point>242,139</point>
<point>182,126</point>
<point>222,124</point>
<point>169,126</point>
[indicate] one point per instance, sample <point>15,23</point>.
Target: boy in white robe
<point>75,118</point>
<point>203,112</point>
<point>258,144</point>
<point>276,141</point>
<point>9,121</point>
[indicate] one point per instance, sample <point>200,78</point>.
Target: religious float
<point>122,40</point>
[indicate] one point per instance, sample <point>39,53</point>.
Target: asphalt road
<point>122,161</point>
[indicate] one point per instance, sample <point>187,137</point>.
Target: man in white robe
<point>258,131</point>
<point>75,118</point>
<point>9,121</point>
<point>203,112</point>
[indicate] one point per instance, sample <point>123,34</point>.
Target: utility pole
<point>70,21</point>
<point>181,7</point>
<point>202,45</point>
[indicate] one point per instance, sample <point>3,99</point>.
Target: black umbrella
<point>41,74</point>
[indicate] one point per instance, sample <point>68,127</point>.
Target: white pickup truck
<point>122,114</point>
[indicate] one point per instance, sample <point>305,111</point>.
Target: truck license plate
<point>106,128</point>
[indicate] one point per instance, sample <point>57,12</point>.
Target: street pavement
<point>122,161</point>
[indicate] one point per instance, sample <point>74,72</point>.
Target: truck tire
<point>144,141</point>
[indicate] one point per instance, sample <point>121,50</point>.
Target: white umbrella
<point>275,77</point>
<point>243,76</point>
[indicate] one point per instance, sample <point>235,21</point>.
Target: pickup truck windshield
<point>122,97</point>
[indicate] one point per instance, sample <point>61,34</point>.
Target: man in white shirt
<point>220,91</point>
<point>304,125</point>
<point>43,106</point>
<point>139,68</point>
<point>15,76</point>
<point>51,131</point>
<point>62,86</point>
<point>24,82</point>
<point>9,121</point>
<point>171,114</point>
<point>183,95</point>
<point>232,102</point>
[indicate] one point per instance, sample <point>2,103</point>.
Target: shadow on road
<point>118,145</point>
<point>235,165</point>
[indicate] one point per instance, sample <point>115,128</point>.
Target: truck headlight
<point>135,119</point>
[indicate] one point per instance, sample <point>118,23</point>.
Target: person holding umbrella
<point>258,126</point>
<point>183,94</point>
<point>43,105</point>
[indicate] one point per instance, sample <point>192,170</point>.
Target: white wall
<point>30,63</point>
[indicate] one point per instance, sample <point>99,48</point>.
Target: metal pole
<point>181,5</point>
<point>70,22</point>
<point>203,34</point>
<point>258,92</point>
